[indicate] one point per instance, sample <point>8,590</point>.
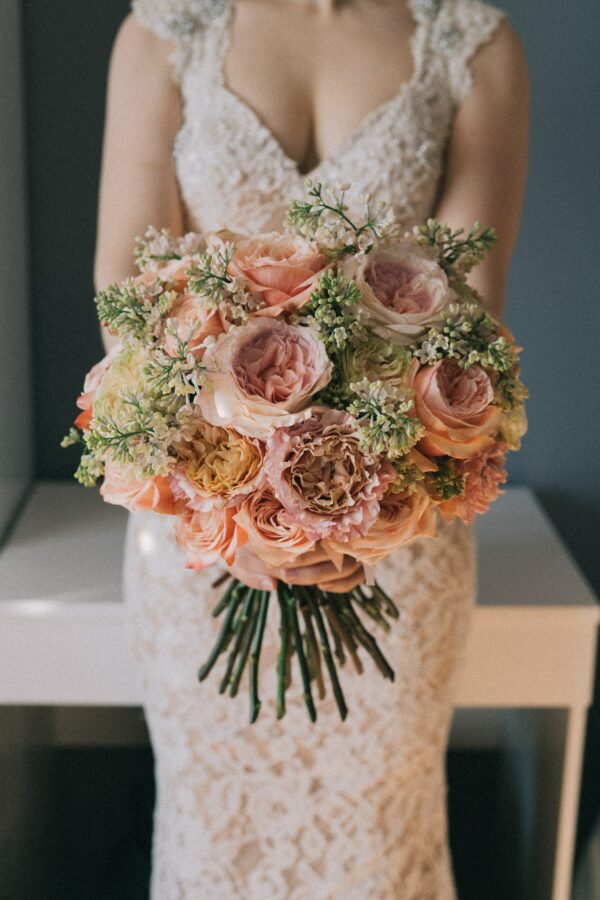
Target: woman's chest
<point>246,143</point>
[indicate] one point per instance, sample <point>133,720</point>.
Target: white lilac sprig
<point>177,374</point>
<point>385,417</point>
<point>456,252</point>
<point>324,218</point>
<point>470,336</point>
<point>134,310</point>
<point>333,310</point>
<point>218,288</point>
<point>161,246</point>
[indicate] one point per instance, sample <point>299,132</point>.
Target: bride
<point>217,110</point>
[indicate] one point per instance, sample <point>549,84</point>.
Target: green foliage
<point>333,310</point>
<point>446,482</point>
<point>456,252</point>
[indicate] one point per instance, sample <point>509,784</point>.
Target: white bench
<point>64,640</point>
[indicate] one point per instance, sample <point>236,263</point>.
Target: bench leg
<point>569,802</point>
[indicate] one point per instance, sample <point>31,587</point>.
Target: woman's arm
<point>138,186</point>
<point>487,158</point>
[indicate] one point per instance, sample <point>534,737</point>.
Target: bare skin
<point>330,65</point>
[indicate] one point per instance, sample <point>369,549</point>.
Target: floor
<point>99,847</point>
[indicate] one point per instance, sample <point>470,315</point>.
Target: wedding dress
<point>290,809</point>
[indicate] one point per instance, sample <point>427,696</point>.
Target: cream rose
<point>403,292</point>
<point>261,376</point>
<point>85,401</point>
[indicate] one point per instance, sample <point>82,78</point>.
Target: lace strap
<point>182,21</point>
<point>459,29</point>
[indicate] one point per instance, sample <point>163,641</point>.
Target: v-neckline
<point>269,136</point>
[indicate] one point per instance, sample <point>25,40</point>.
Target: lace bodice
<point>285,810</point>
<point>234,173</point>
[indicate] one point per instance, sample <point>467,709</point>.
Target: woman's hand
<point>310,568</point>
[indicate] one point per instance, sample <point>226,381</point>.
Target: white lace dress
<point>290,809</point>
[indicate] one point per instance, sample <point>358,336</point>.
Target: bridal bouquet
<point>336,384</point>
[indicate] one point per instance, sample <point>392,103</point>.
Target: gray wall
<point>16,460</point>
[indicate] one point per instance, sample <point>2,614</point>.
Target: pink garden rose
<point>455,406</point>
<point>483,474</point>
<point>403,292</point>
<point>402,518</point>
<point>275,540</point>
<point>327,485</point>
<point>280,269</point>
<point>85,401</point>
<point>153,494</point>
<point>261,376</point>
<point>209,536</point>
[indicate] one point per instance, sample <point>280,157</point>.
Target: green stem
<point>390,607</point>
<point>255,657</point>
<point>371,608</point>
<point>290,600</point>
<point>312,645</point>
<point>328,657</point>
<point>282,658</point>
<point>245,647</point>
<point>367,640</point>
<point>224,601</point>
<point>222,639</point>
<point>338,626</point>
<point>239,628</point>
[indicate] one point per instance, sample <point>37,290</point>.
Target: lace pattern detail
<point>287,809</point>
<point>461,28</point>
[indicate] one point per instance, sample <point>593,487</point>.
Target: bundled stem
<point>305,615</point>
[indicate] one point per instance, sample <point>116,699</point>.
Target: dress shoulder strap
<point>183,22</point>
<point>458,29</point>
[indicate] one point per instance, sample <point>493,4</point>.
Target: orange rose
<point>483,474</point>
<point>455,406</point>
<point>209,536</point>
<point>153,494</point>
<point>402,518</point>
<point>281,269</point>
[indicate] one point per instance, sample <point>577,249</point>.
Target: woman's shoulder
<point>460,28</point>
<point>176,19</point>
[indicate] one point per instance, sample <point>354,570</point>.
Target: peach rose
<point>281,269</point>
<point>153,494</point>
<point>483,474</point>
<point>271,537</point>
<point>209,536</point>
<point>85,401</point>
<point>261,376</point>
<point>191,322</point>
<point>455,406</point>
<point>403,291</point>
<point>402,518</point>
